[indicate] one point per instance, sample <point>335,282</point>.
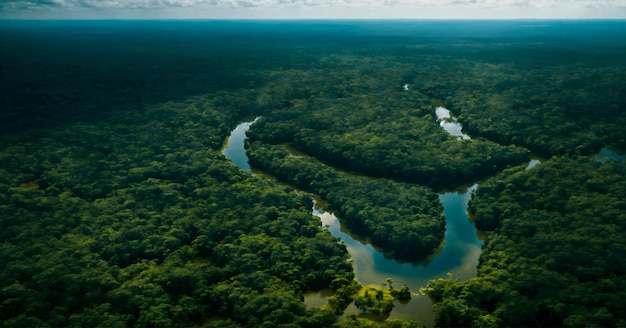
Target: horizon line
<point>317,19</point>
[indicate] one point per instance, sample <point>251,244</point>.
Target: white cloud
<point>328,8</point>
<point>261,3</point>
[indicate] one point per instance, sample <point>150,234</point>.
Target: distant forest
<point>117,207</point>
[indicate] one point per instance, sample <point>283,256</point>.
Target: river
<point>449,123</point>
<point>458,255</point>
<point>235,149</point>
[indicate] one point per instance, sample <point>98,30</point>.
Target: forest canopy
<point>142,222</point>
<point>402,219</point>
<point>117,207</point>
<point>553,254</point>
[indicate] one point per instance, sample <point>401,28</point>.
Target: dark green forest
<point>403,219</point>
<point>554,251</point>
<point>152,226</point>
<point>117,207</point>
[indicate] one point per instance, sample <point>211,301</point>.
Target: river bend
<point>458,254</point>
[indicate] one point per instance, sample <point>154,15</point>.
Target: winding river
<point>458,255</point>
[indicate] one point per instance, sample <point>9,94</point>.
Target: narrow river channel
<point>457,256</point>
<point>235,149</point>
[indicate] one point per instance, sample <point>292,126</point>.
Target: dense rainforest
<point>141,221</point>
<point>117,207</point>
<point>403,219</point>
<point>554,251</point>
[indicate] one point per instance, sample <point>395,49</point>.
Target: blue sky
<point>306,9</point>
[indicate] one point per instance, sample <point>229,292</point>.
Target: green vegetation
<point>377,128</point>
<point>404,220</point>
<point>118,209</point>
<point>554,254</point>
<point>374,301</point>
<point>572,111</point>
<point>140,221</point>
<point>354,321</point>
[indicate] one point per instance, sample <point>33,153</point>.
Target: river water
<point>458,255</point>
<point>449,123</point>
<point>235,149</point>
<point>607,153</point>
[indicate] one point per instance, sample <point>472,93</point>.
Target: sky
<point>311,9</point>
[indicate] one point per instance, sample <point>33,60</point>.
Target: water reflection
<point>532,163</point>
<point>605,154</point>
<point>449,123</point>
<point>608,153</point>
<point>235,148</point>
<point>459,256</point>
